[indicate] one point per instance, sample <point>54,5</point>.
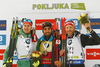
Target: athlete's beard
<point>47,36</point>
<point>70,32</point>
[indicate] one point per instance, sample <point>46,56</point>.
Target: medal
<point>45,52</point>
<point>46,45</point>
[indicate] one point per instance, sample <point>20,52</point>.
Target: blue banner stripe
<point>95,23</point>
<point>2,24</point>
<point>75,62</point>
<point>25,59</point>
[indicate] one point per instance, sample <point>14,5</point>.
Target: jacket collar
<point>44,39</point>
<point>76,34</point>
<point>24,34</point>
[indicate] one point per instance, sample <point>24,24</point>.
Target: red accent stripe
<point>57,26</point>
<point>46,63</point>
<point>1,53</point>
<point>54,26</point>
<point>63,33</point>
<point>62,22</point>
<point>38,23</point>
<point>14,65</point>
<point>28,23</point>
<point>59,52</point>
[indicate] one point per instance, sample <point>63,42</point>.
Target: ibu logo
<point>77,24</point>
<point>2,39</point>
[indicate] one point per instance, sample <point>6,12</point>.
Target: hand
<point>58,63</point>
<point>62,52</point>
<point>34,36</point>
<point>36,64</point>
<point>87,26</point>
<point>34,31</point>
<point>4,65</point>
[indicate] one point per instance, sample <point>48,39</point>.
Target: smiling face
<point>27,28</point>
<point>70,30</point>
<point>47,31</point>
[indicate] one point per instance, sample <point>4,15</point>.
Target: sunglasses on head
<point>45,24</point>
<point>27,20</point>
<point>69,20</point>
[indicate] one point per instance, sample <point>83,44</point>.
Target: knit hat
<point>46,24</point>
<point>69,22</point>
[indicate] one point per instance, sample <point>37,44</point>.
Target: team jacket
<point>24,47</point>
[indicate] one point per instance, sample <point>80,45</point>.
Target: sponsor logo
<point>15,55</point>
<point>38,23</point>
<point>77,62</point>
<point>95,23</point>
<point>79,6</point>
<point>92,54</point>
<point>2,24</point>
<point>54,6</point>
<point>2,39</point>
<point>1,53</point>
<point>69,42</point>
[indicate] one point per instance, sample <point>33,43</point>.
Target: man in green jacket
<point>24,46</point>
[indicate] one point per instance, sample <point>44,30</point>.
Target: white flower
<point>82,14</point>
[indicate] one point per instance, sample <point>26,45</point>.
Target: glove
<point>36,64</point>
<point>34,38</point>
<point>4,65</point>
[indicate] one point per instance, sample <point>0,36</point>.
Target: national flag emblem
<point>57,41</point>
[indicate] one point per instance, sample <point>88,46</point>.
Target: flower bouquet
<point>36,57</point>
<point>83,18</point>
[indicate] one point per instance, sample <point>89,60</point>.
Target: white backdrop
<point>23,9</point>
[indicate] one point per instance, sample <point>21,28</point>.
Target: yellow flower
<point>37,55</point>
<point>83,15</point>
<point>79,17</point>
<point>33,55</point>
<point>40,53</point>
